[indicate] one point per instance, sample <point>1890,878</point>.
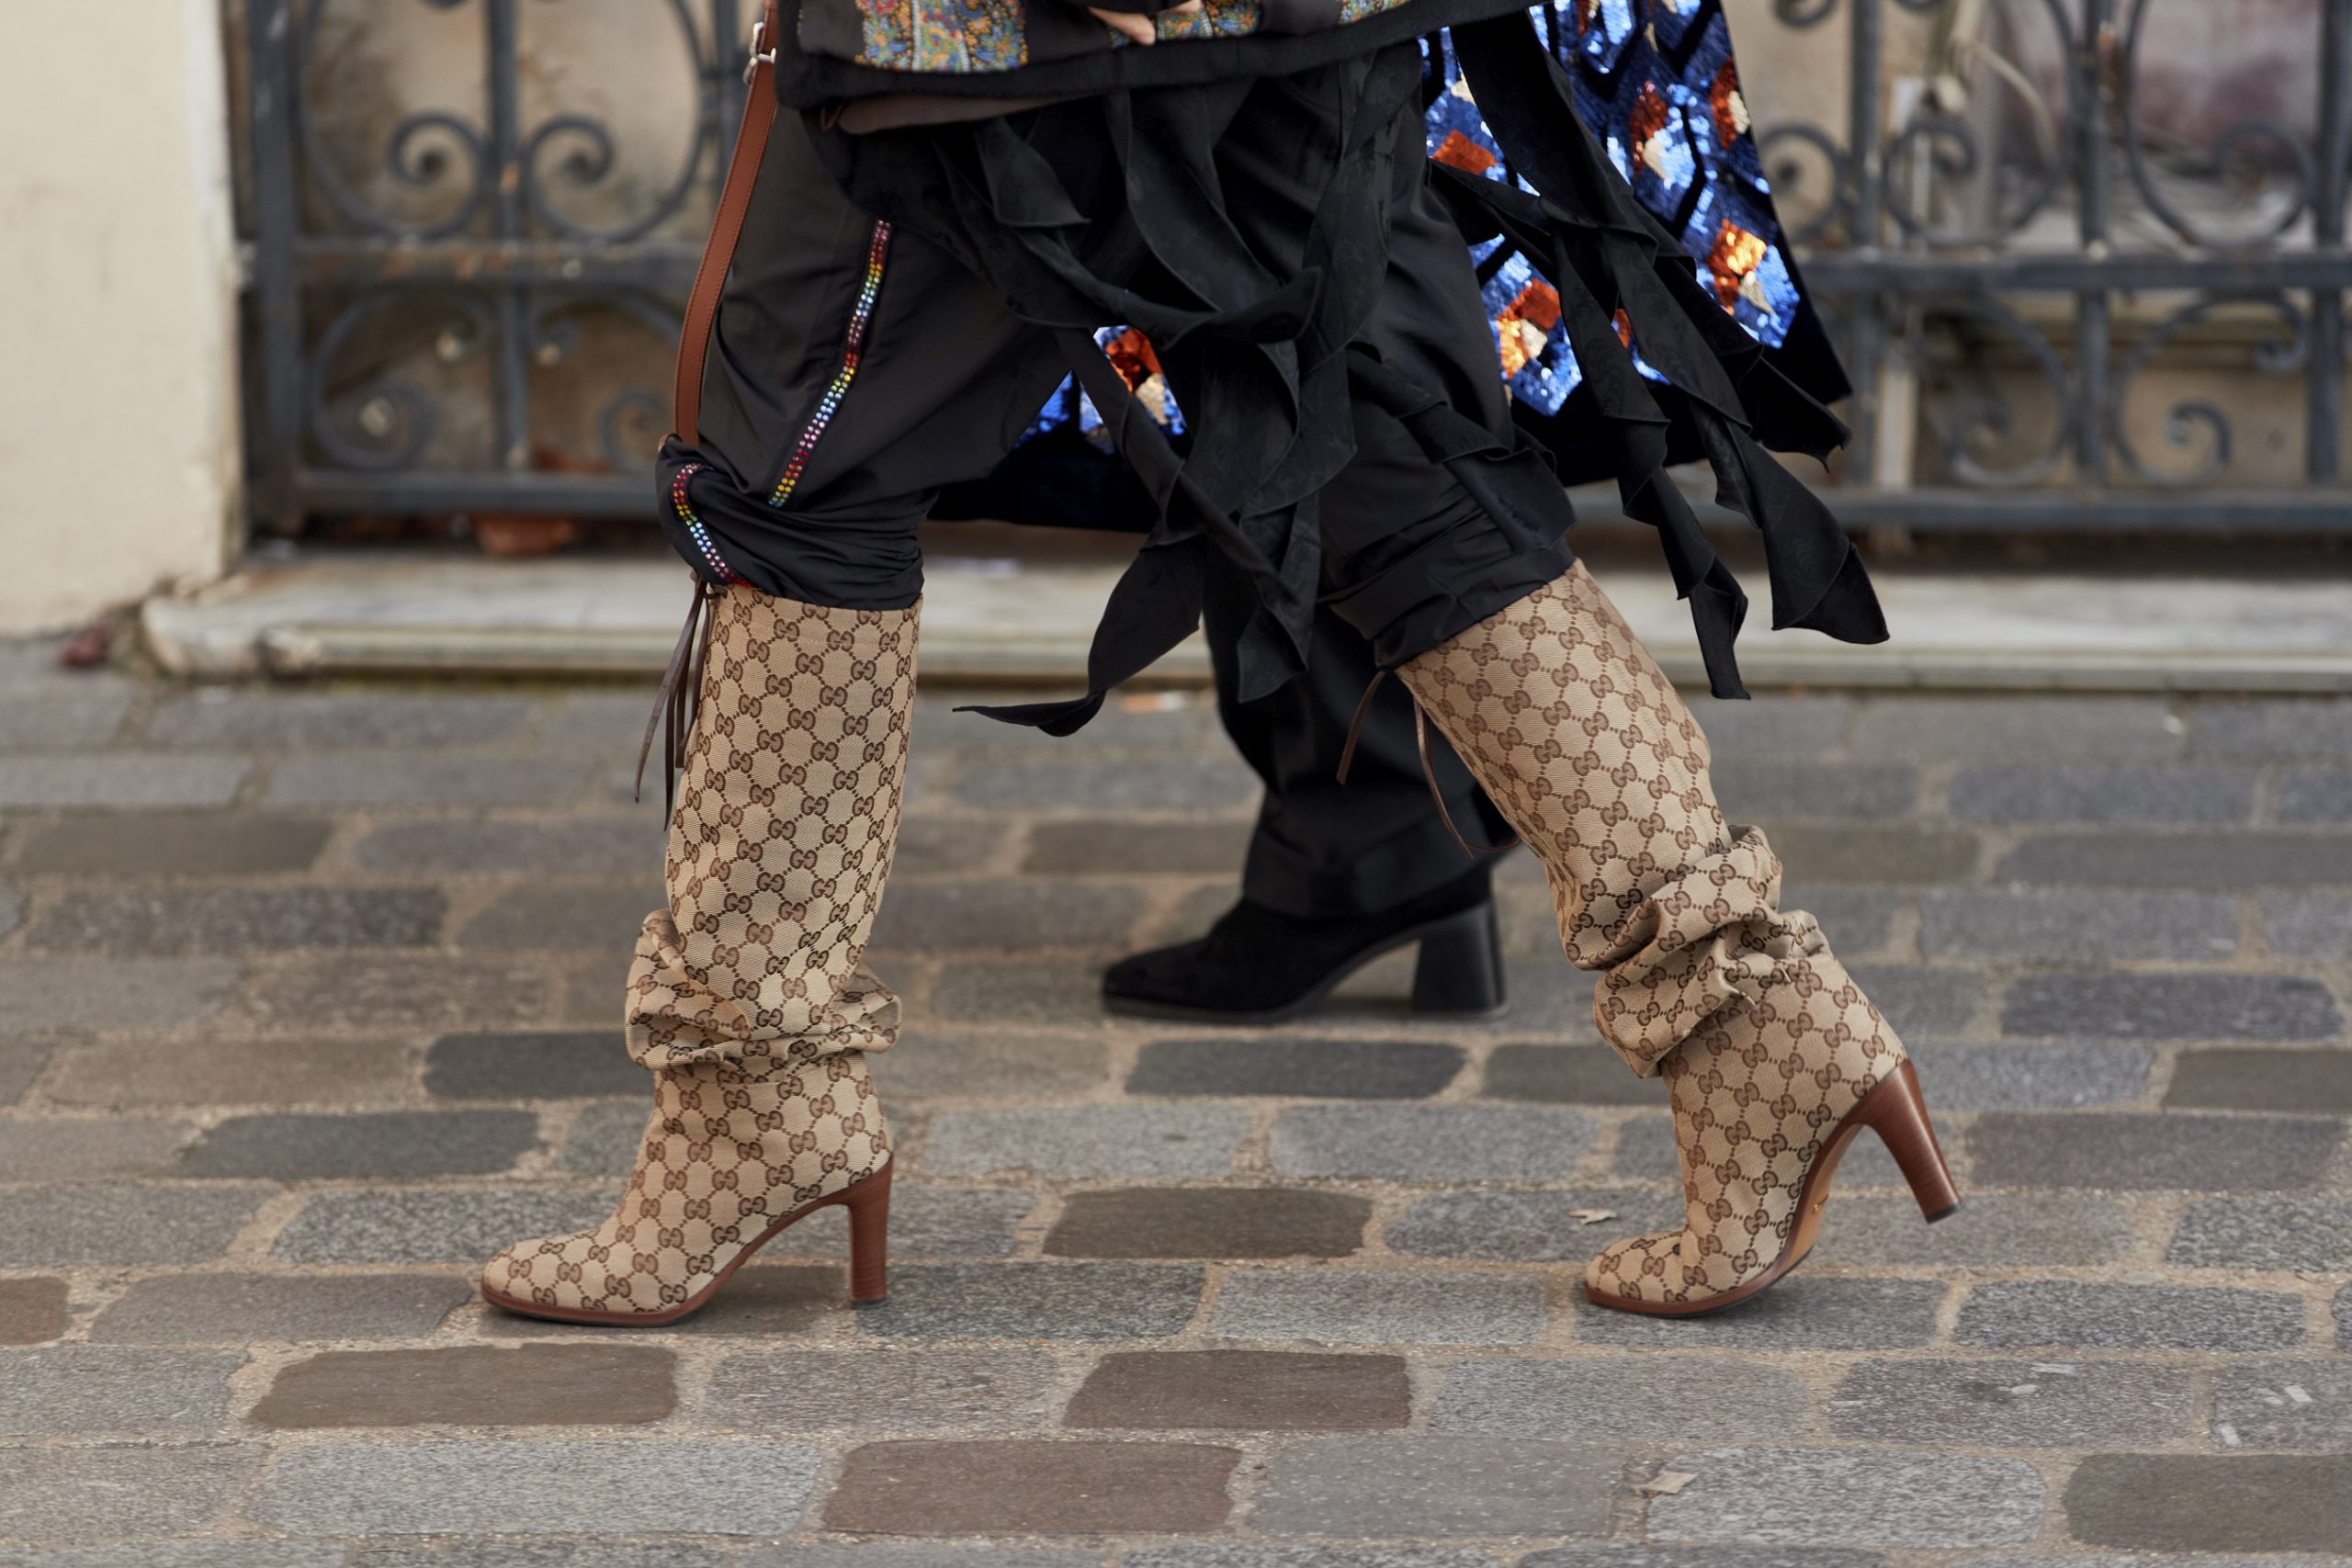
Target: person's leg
<point>854,371</point>
<point>1775,1058</point>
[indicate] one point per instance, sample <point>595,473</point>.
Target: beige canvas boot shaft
<point>1767,1044</point>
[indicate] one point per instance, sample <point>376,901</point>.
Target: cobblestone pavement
<point>306,1004</point>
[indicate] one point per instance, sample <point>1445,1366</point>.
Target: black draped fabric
<point>1133,216</point>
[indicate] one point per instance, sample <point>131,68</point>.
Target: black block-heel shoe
<point>1258,965</point>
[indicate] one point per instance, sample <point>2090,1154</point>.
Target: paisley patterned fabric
<point>1657,83</point>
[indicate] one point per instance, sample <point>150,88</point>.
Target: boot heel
<point>868,1204</point>
<point>1461,966</point>
<point>1896,1112</point>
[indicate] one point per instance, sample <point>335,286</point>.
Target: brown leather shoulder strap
<point>727,229</point>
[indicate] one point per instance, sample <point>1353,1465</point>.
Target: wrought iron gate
<point>2085,268</point>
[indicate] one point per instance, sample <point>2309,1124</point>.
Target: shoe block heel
<point>1461,966</point>
<point>1897,1114</point>
<point>868,1204</point>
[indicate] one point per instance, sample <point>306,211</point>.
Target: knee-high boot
<point>1775,1058</point>
<point>749,998</point>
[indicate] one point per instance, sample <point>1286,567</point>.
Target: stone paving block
<point>443,1225</point>
<point>1724,1557</point>
<point>1633,1398</point>
<point>2310,1234</point>
<point>100,1226</point>
<point>1775,792</point>
<point>1209,1222</point>
<point>998,914</point>
<point>1230,1555</point>
<point>2128,1150</point>
<point>431,778</point>
<point>701,1487</point>
<point>91,1391</point>
<point>176,843</point>
<point>934,1064</point>
<point>2253,1078</point>
<point>544,1064</point>
<point>605,844</point>
<point>1961,922</point>
<point>1032,1488</point>
<point>1247,1391</point>
<point>1188,785</point>
<point>1807,1312</point>
<point>83,1149</point>
<point>1036,1301</point>
<point>1068,992</point>
<point>1337,1306</point>
<point>259,718</point>
<point>2301,1405</point>
<point>2222,861</point>
<point>2029,1078</point>
<point>1971,729</point>
<point>563,917</point>
<point>12,910</point>
<point>1879,855</point>
<point>1782,1496</point>
<point>795,1392</point>
<point>246,1552</point>
<point>1994,1230</point>
<point>1118,846</point>
<point>604,1384</point>
<point>2265,727</point>
<point>2172,1007</point>
<point>1782,726</point>
<point>64,718</point>
<point>2187,796</point>
<point>33,1312</point>
<point>1311,1068</point>
<point>171,921</point>
<point>120,781</point>
<point>1358,1487</point>
<point>945,846</point>
<point>75,1493</point>
<point>2317,925</point>
<point>21,1061</point>
<point>2315,795</point>
<point>1980,1403</point>
<point>1086,1141</point>
<point>2024,1313</point>
<point>1919,1001</point>
<point>2212,1503</point>
<point>243,1069</point>
<point>764,1301</point>
<point>250,1309</point>
<point>393,993</point>
<point>391,1145</point>
<point>108,994</point>
<point>1567,1075</point>
<point>1527,1227</point>
<point>880,1554</point>
<point>1432,1142</point>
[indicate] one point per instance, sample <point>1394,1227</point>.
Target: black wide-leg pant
<point>859,368</point>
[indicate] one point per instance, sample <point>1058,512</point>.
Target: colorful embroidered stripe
<point>878,250</point>
<point>700,535</point>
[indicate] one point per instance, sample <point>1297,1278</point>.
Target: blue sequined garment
<point>1657,82</point>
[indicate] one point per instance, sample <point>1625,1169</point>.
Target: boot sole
<point>1178,1012</point>
<point>868,1283</point>
<point>1894,1111</point>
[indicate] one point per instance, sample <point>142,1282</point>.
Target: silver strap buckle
<point>760,53</point>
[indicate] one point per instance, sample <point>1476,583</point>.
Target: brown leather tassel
<point>1428,768</point>
<point>674,706</point>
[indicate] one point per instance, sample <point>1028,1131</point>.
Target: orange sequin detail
<point>1459,152</point>
<point>1731,259</point>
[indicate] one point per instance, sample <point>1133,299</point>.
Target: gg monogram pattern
<point>1590,755</point>
<point>729,1152</point>
<point>748,996</point>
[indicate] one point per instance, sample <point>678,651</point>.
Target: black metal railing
<point>2059,270</point>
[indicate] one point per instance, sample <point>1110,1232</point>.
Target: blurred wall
<point>118,444</point>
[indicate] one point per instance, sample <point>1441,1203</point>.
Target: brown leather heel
<point>868,1204</point>
<point>1894,1110</point>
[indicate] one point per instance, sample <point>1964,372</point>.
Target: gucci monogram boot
<point>1774,1059</point>
<point>749,998</point>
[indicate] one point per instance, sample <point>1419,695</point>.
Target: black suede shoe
<point>1258,965</point>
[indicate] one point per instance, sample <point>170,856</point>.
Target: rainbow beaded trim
<point>701,535</point>
<point>878,251</point>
